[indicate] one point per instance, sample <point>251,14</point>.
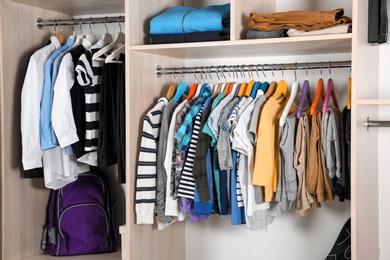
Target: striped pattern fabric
<point>187,181</point>
<point>147,162</point>
<point>90,76</point>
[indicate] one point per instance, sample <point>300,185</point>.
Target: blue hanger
<point>255,88</point>
<point>180,90</point>
<point>264,87</point>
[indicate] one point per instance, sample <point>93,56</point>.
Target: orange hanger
<point>319,93</point>
<point>281,90</point>
<point>242,89</point>
<point>227,88</point>
<point>249,87</point>
<point>349,93</point>
<point>61,38</point>
<point>271,89</point>
<point>171,91</point>
<point>193,89</point>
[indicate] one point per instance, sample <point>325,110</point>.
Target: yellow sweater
<point>266,170</point>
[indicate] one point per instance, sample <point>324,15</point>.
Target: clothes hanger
<point>115,54</point>
<point>249,86</point>
<point>217,87</point>
<point>172,88</point>
<point>180,89</point>
<point>255,89</point>
<point>79,37</point>
<point>91,37</point>
<point>305,95</point>
<point>319,93</point>
<point>106,37</point>
<point>281,90</point>
<point>293,93</point>
<point>60,36</point>
<point>349,92</point>
<point>120,38</point>
<point>329,93</point>
<point>271,87</point>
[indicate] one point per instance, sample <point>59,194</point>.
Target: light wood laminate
<point>240,13</point>
<point>23,200</point>
<point>373,102</point>
<point>78,7</point>
<point>107,256</point>
<point>364,144</point>
<point>252,48</point>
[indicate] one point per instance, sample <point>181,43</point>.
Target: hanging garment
<point>343,184</point>
<point>300,20</point>
<point>305,201</point>
<point>147,160</point>
<point>161,173</point>
<point>185,137</point>
<point>267,150</point>
<point>200,167</point>
<point>106,149</point>
<point>317,182</point>
<point>172,205</point>
<point>179,156</point>
<point>287,187</point>
<point>331,131</point>
<point>121,122</point>
<point>30,106</point>
<point>89,76</point>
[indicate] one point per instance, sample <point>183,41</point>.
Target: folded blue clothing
<point>182,19</point>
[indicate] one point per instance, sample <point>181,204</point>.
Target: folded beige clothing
<point>338,29</point>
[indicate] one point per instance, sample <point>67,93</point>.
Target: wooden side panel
<point>144,88</point>
<point>240,12</point>
<point>364,145</point>
<point>23,200</point>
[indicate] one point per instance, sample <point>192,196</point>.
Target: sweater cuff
<point>145,214</point>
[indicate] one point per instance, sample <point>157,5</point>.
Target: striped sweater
<point>147,161</point>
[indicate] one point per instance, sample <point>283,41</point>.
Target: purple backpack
<point>81,218</point>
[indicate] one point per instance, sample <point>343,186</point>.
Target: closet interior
<point>24,200</point>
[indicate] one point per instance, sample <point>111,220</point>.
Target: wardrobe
<point>23,201</point>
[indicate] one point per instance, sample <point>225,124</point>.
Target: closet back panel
<point>23,200</point>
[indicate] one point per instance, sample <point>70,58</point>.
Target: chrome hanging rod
<point>376,123</point>
<point>93,20</point>
<point>253,68</point>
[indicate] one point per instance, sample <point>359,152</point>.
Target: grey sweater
<point>161,174</point>
<point>331,131</point>
<point>286,192</point>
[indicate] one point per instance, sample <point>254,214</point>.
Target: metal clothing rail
<point>376,123</point>
<point>93,20</point>
<point>250,68</point>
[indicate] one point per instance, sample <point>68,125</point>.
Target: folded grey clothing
<point>189,37</point>
<point>257,34</point>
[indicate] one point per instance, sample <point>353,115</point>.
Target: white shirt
<point>30,109</point>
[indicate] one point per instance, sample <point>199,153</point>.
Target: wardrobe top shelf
<point>78,7</point>
<point>307,45</point>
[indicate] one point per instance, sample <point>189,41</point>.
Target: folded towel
<point>183,19</point>
<point>300,20</point>
<point>188,37</point>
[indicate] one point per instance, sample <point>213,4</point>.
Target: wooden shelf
<point>111,256</point>
<point>78,7</point>
<point>307,45</point>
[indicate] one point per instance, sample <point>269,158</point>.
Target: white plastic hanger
<point>120,38</point>
<point>91,37</point>
<point>106,37</point>
<point>115,54</point>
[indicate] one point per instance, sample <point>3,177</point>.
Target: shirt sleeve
<point>62,114</point>
<point>30,112</point>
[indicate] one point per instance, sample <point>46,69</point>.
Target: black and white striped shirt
<point>147,162</point>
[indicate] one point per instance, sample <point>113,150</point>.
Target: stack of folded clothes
<point>298,23</point>
<point>190,24</point>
